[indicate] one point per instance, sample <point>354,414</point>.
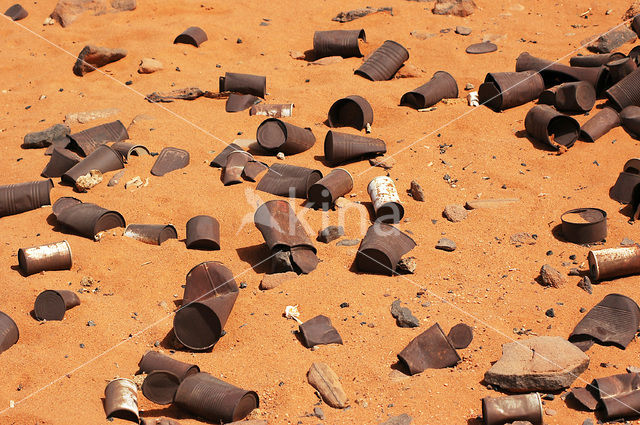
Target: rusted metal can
<point>52,305</point>
<point>9,332</point>
<point>385,199</point>
<point>503,410</point>
<point>21,197</point>
<point>215,400</point>
<point>429,350</point>
<point>121,400</point>
<point>153,234</point>
<point>153,360</point>
<point>53,256</point>
<point>614,262</point>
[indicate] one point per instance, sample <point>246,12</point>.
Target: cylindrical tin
<point>548,96</point>
<point>21,197</point>
<point>546,125</point>
<point>626,92</point>
<point>160,386</point>
<point>244,83</point>
<point>576,97</point>
<point>253,169</point>
<point>614,320</point>
<point>555,73</point>
<point>441,86</point>
<point>628,179</point>
<point>52,305</point>
<point>504,410</point>
<point>153,360</point>
<point>88,219</point>
<point>600,124</point>
<point>206,280</point>
<point>384,62</point>
<point>429,350</point>
<point>203,232</point>
<point>192,35</point>
<point>121,400</point>
<point>232,172</point>
<point>630,117</point>
<point>609,263</point>
<point>325,191</point>
<point>381,249</point>
<point>104,159</point>
<point>153,234</point>
<point>460,336</point>
<point>215,400</point>
<point>584,225</point>
<point>273,110</point>
<point>279,136</point>
<point>48,257</point>
<point>319,331</point>
<point>595,60</point>
<point>87,141</point>
<point>126,149</point>
<point>351,111</point>
<point>288,180</point>
<point>198,325</point>
<point>9,333</point>
<point>343,43</point>
<point>620,68</point>
<point>60,162</point>
<point>221,159</point>
<point>385,200</point>
<point>341,147</point>
<point>240,102</point>
<point>620,395</point>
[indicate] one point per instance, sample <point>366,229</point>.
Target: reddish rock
<point>92,57</point>
<point>454,7</point>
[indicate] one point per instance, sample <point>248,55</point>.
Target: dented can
<point>53,256</point>
<point>385,199</point>
<point>614,262</point>
<point>503,410</point>
<point>121,400</point>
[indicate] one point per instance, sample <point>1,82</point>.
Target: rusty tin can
<point>121,400</point>
<point>610,263</point>
<point>385,199</point>
<point>48,257</point>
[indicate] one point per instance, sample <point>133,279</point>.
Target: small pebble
<point>550,412</point>
<point>344,305</point>
<point>550,313</point>
<point>549,253</point>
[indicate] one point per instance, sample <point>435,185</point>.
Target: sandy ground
<point>487,282</point>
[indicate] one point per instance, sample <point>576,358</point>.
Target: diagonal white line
<point>494,97</point>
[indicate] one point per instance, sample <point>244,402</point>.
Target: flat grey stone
<point>348,242</point>
<point>330,233</point>
<point>446,245</point>
<point>463,30</point>
<point>403,419</point>
<point>455,213</point>
<point>610,41</point>
<point>404,317</point>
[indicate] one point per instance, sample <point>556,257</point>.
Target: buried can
<point>160,386</point>
<point>614,262</point>
<point>192,35</point>
<point>21,197</point>
<point>152,234</point>
<point>442,85</point>
<point>154,360</point>
<point>9,333</point>
<point>198,324</point>
<point>325,191</point>
<point>342,147</point>
<point>429,350</point>
<point>48,257</point>
<point>504,410</point>
<point>628,179</point>
<point>384,62</point>
<point>600,124</point>
<point>215,400</point>
<point>52,305</point>
<point>584,225</point>
<point>385,199</point>
<point>352,111</point>
<point>203,232</point>
<point>121,400</point>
